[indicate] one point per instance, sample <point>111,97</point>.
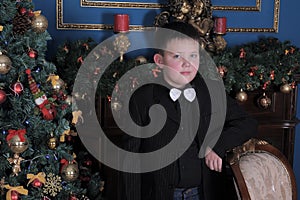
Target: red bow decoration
<point>21,133</point>
<point>63,163</point>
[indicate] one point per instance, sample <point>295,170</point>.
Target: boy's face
<point>180,61</point>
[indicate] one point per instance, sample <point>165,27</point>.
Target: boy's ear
<point>158,59</point>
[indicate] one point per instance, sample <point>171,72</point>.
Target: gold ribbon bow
<point>40,176</point>
<point>18,189</point>
<point>62,137</point>
<point>76,115</point>
<point>53,78</point>
<point>67,132</point>
<point>37,13</point>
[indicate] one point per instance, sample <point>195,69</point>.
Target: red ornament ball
<point>14,195</point>
<point>70,138</point>
<point>32,53</point>
<point>30,13</point>
<point>36,183</point>
<point>17,87</point>
<point>85,178</point>
<point>23,11</point>
<point>88,162</point>
<point>2,96</point>
<point>73,197</point>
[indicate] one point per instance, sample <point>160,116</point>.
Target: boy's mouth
<point>185,73</point>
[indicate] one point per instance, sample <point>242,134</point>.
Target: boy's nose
<point>185,62</point>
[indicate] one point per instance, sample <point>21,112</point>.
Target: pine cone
<point>21,23</point>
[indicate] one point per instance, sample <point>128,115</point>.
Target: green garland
<point>71,55</point>
<point>262,65</point>
<point>69,58</point>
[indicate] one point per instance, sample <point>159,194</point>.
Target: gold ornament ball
<point>70,172</point>
<point>52,143</point>
<point>69,100</point>
<point>264,102</point>
<point>16,145</point>
<point>5,64</point>
<point>285,88</point>
<point>59,84</point>
<point>242,96</point>
<point>141,60</point>
<point>116,105</point>
<point>39,24</point>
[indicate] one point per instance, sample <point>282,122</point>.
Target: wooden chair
<point>261,172</point>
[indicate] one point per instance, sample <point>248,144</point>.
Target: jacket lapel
<point>161,96</point>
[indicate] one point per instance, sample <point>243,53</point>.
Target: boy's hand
<point>212,160</point>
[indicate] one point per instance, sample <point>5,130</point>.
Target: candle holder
<point>121,25</point>
<point>121,44</point>
<point>199,14</point>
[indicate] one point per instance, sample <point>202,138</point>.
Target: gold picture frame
<point>256,8</point>
<point>61,25</point>
<point>111,4</point>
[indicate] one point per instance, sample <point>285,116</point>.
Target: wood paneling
<point>276,123</point>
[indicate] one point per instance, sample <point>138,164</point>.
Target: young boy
<point>189,114</point>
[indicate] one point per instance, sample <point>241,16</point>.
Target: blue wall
<point>289,29</point>
<point>288,23</point>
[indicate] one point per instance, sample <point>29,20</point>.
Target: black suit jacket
<point>160,184</point>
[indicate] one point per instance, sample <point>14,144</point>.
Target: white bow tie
<point>189,94</point>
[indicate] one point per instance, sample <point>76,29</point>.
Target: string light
<point>38,69</point>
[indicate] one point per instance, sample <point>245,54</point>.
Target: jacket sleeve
<point>238,128</point>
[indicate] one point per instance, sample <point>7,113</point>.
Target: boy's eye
<point>176,56</point>
<point>194,55</point>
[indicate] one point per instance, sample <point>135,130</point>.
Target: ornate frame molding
<point>109,4</point>
<point>256,8</point>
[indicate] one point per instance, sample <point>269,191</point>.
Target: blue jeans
<point>186,194</point>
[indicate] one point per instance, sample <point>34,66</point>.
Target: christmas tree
<point>38,158</point>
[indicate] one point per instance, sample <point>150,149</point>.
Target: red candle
<point>220,25</point>
<point>121,23</point>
